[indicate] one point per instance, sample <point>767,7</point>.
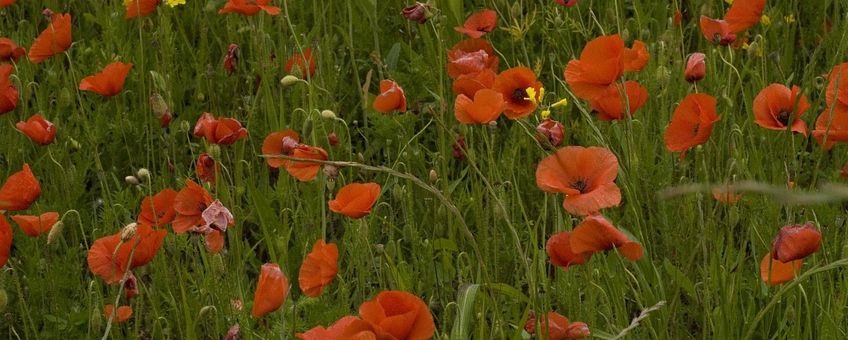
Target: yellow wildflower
<point>765,20</point>
<point>561,103</point>
<point>533,97</point>
<point>174,3</point>
<point>790,19</point>
<point>546,114</point>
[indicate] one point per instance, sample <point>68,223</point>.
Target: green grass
<point>702,257</point>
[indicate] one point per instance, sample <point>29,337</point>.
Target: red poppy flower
<point>108,82</point>
<point>636,57</point>
<point>206,168</point>
<point>717,31</point>
<point>776,104</point>
<point>726,195</point>
<point>557,327</point>
<point>469,84</point>
<point>355,200</point>
<point>319,268</point>
<point>189,204</point>
<point>567,3</point>
<point>832,126</point>
<point>513,84</point>
<point>559,251</point>
<point>110,261</point>
<point>224,131</point>
<point>8,92</point>
<point>38,129</point>
<point>696,68</point>
<point>610,105</point>
<point>391,97</point>
<point>305,171</point>
<point>741,16</point>
<point>5,240</point>
<point>9,51</point>
<point>417,12</point>
<point>333,332</point>
<point>158,210</point>
<point>214,241</point>
<point>20,190</point>
<point>600,65</point>
<point>358,329</point>
<point>550,132</point>
<point>249,7</point>
<point>585,175</point>
<point>53,40</point>
<point>485,108</point>
<point>271,290</point>
<point>231,59</point>
<point>401,314</point>
<point>137,8</point>
<point>774,272</point>
<point>692,123</point>
<point>6,3</point>
<point>471,56</point>
<point>304,63</point>
<point>280,143</point>
<point>795,242</point>
<point>478,24</point>
<point>124,313</point>
<point>34,226</point>
<point>837,85</point>
<point>596,234</point>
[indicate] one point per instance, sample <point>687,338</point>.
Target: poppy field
<point>449,169</point>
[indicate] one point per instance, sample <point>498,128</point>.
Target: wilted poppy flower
<point>636,57</point>
<point>9,51</point>
<point>109,258</point>
<point>485,108</point>
<point>741,16</point>
<point>596,234</point>
<point>459,148</point>
<point>231,59</point>
<point>333,332</point>
<point>214,241</point>
<point>356,199</point>
<point>223,131</point>
<point>401,314</point>
<point>585,175</point>
<point>600,65</point>
<point>468,84</point>
<point>567,3</point>
<point>34,226</point>
<point>304,63</point>
<point>319,268</point>
<point>38,129</point>
<point>717,31</point>
<point>611,105</point>
<point>158,210</point>
<point>478,24</point>
<point>189,204</point>
<point>249,7</point>
<point>513,84</point>
<point>837,85</point>
<point>140,8</point>
<point>271,290</point>
<point>471,56</point>
<point>234,333</point>
<point>5,240</point>
<point>559,251</point>
<point>108,82</point>
<point>696,68</point>
<point>550,132</point>
<point>557,327</point>
<point>124,313</point>
<point>206,168</point>
<point>391,97</point>
<point>775,105</point>
<point>774,272</point>
<point>692,123</point>
<point>130,286</point>
<point>216,217</point>
<point>53,40</point>
<point>832,126</point>
<point>795,242</point>
<point>19,191</point>
<point>280,143</point>
<point>417,12</point>
<point>8,92</point>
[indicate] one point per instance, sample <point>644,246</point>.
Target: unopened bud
<point>158,105</point>
<point>55,232</point>
<point>214,151</point>
<point>131,180</point>
<point>234,333</point>
<point>331,171</point>
<point>289,80</point>
<point>128,232</point>
<point>433,176</point>
<point>143,174</point>
<point>327,114</point>
<point>205,310</point>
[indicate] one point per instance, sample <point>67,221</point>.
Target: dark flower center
<point>783,117</point>
<point>580,185</point>
<point>518,95</point>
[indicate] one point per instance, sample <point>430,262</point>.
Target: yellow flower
<point>174,3</point>
<point>745,46</point>
<point>545,114</point>
<point>561,103</point>
<point>729,2</point>
<point>532,97</point>
<point>765,20</point>
<point>790,19</point>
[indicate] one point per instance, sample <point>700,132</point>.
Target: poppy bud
<point>231,59</point>
<point>128,232</point>
<point>96,319</point>
<point>185,126</point>
<point>550,130</point>
<point>795,242</point>
<point>143,174</point>
<point>131,180</point>
<point>327,114</point>
<point>433,176</point>
<point>577,330</point>
<point>55,232</point>
<point>333,139</point>
<point>696,68</point>
<point>459,148</point>
<point>158,105</point>
<point>205,310</point>
<point>215,151</point>
<point>289,80</point>
<point>47,13</point>
<point>418,12</point>
<point>662,74</point>
<point>331,171</point>
<point>236,305</point>
<point>234,333</point>
<point>218,264</point>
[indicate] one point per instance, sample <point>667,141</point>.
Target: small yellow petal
<point>174,3</point>
<point>545,114</point>
<point>561,103</point>
<point>765,20</point>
